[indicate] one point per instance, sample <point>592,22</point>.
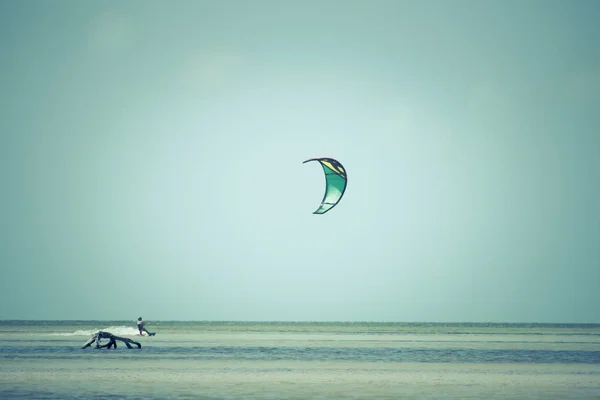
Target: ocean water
<point>286,360</point>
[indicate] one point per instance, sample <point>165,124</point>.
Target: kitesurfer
<point>141,327</point>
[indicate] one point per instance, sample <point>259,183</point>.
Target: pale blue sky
<point>151,160</point>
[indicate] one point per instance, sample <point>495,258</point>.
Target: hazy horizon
<point>319,322</point>
<point>151,160</point>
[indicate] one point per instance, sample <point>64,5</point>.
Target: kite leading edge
<point>335,183</point>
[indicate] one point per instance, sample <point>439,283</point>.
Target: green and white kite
<point>335,183</point>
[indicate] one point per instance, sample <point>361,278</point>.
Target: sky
<point>151,160</point>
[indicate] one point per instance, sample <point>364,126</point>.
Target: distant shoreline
<point>266,322</point>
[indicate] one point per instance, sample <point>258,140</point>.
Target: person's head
<point>139,318</point>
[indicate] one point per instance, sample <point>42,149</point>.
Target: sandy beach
<point>299,380</point>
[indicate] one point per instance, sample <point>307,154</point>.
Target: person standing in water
<point>141,327</point>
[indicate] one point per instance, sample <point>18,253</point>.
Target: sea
<point>301,360</point>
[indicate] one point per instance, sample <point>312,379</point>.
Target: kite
<point>335,183</point>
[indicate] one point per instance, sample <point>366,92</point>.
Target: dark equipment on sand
<point>112,341</point>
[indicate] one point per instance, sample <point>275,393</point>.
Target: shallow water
<point>234,360</point>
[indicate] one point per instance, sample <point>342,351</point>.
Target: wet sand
<point>298,380</point>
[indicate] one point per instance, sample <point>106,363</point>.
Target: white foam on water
<point>115,330</point>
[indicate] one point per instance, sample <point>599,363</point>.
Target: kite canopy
<point>335,183</point>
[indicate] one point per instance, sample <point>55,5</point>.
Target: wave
<point>115,330</point>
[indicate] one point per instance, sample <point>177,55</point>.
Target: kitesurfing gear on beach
<point>97,337</point>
